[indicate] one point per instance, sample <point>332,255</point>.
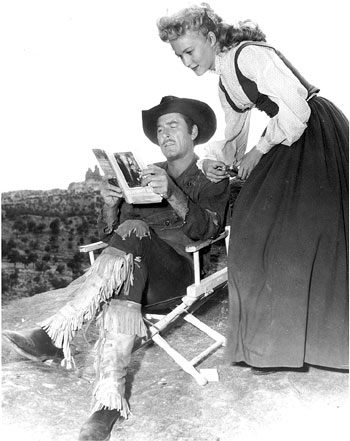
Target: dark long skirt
<point>288,258</point>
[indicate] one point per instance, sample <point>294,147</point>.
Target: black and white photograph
<point>130,168</point>
<point>175,220</point>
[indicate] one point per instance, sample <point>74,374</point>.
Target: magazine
<point>126,168</point>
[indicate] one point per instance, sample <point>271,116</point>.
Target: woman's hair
<point>202,18</point>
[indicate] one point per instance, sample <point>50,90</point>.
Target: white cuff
<point>263,146</point>
<point>199,163</point>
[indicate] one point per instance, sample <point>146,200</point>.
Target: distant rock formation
<point>90,185</point>
<point>93,175</point>
<point>92,182</point>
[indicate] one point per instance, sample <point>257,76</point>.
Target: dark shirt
<point>207,206</point>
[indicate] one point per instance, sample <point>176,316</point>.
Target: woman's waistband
<point>311,96</point>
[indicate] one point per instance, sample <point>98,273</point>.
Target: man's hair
<point>189,122</point>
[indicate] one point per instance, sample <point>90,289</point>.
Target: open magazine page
<point>126,168</point>
<point>104,162</point>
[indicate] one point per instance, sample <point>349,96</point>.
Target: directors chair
<point>196,295</point>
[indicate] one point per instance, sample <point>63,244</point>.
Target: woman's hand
<point>215,171</point>
<point>248,162</point>
<point>110,192</point>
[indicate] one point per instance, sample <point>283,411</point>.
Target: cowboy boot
<point>33,344</point>
<point>113,358</point>
<point>99,426</point>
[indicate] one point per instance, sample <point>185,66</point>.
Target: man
<point>145,262</point>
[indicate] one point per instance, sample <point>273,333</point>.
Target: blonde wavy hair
<point>202,18</point>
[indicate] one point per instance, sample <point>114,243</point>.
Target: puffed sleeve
<point>274,79</point>
<point>232,148</point>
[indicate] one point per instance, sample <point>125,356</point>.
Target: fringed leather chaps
<point>119,323</point>
<point>112,271</point>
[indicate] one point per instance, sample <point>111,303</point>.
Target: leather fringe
<point>106,391</point>
<point>119,323</point>
<point>112,271</point>
<point>122,317</point>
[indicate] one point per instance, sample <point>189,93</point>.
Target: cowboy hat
<point>200,113</point>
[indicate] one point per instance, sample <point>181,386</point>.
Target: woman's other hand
<point>215,171</point>
<point>248,162</point>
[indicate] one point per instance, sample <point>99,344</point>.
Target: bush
<point>61,267</point>
<point>39,288</point>
<point>39,228</point>
<point>31,257</point>
<point>58,282</point>
<point>42,266</point>
<point>55,227</point>
<point>5,282</point>
<point>31,226</point>
<point>75,264</point>
<point>7,246</point>
<point>14,256</point>
<point>19,226</point>
<point>34,245</point>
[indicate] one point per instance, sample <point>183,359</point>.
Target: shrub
<point>58,282</point>
<point>60,268</point>
<point>55,227</point>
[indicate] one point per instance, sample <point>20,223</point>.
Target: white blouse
<point>274,79</point>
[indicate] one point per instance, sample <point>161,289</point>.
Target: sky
<point>76,75</point>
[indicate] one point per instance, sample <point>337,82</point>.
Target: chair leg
<point>180,360</point>
<point>220,340</point>
<point>186,365</point>
<point>190,318</point>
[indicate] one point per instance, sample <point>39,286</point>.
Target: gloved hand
<point>140,228</point>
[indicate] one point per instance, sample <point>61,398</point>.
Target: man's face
<point>173,137</point>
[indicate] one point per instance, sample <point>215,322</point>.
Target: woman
<point>288,248</point>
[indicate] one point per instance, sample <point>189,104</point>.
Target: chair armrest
<point>189,248</point>
<point>192,248</point>
<point>92,246</point>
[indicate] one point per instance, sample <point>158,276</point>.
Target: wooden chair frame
<point>196,295</point>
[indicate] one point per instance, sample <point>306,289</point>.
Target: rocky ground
<point>43,402</point>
